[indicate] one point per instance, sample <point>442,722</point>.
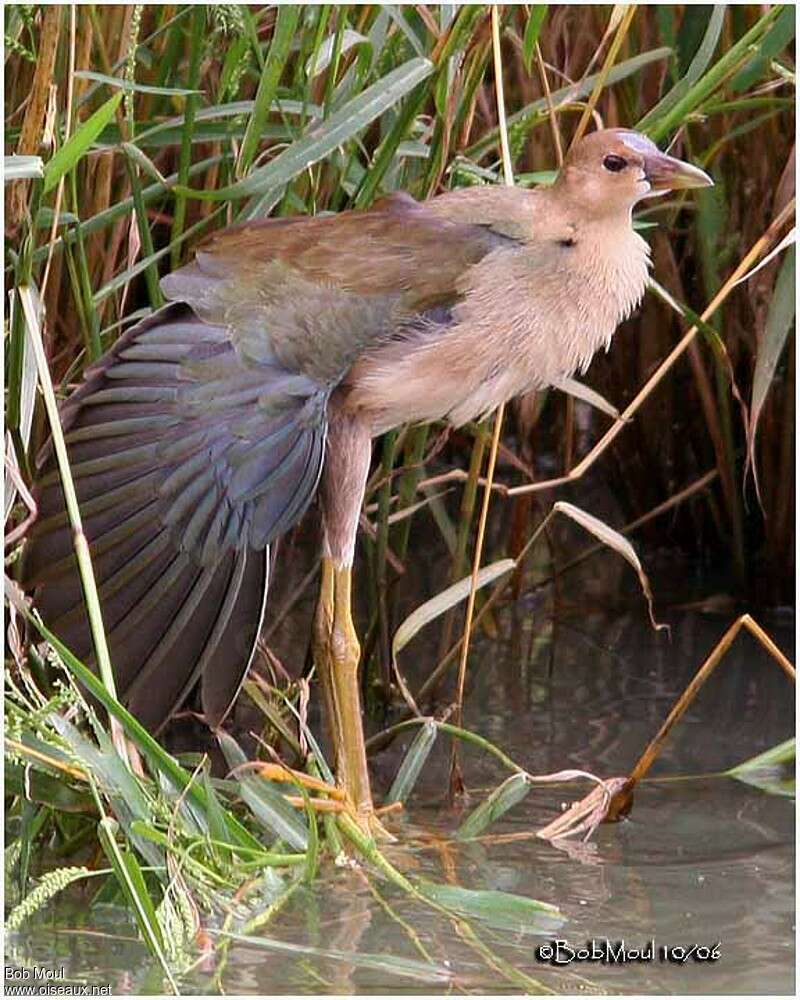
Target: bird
<point>285,347</point>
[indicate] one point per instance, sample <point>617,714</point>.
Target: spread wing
<point>187,463</point>
<point>200,437</point>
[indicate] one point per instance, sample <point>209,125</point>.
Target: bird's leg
<point>336,649</point>
<point>323,626</point>
<point>337,654</point>
<point>352,762</point>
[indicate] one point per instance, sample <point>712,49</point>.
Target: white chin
<point>650,193</point>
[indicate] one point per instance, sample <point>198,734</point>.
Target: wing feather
<point>188,460</point>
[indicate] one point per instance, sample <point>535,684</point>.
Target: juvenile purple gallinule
<point>289,344</point>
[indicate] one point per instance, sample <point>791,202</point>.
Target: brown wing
<point>314,292</point>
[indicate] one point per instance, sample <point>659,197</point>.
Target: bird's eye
<point>615,163</point>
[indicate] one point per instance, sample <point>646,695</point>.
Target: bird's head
<point>610,170</point>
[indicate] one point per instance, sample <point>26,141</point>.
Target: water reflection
<point>698,862</point>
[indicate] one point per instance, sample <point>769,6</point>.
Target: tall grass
<point>168,121</point>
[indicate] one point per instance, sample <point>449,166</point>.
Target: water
<point>708,862</point>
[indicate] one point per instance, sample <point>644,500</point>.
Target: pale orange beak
<point>666,173</point>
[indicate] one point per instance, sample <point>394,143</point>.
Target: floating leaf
<point>512,791</point>
<point>503,910</point>
<point>772,771</point>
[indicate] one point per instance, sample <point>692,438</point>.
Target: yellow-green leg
<point>337,653</point>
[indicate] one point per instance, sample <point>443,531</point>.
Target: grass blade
<point>784,753</point>
<point>532,29</point>
<point>272,810</point>
<point>770,347</point>
<point>130,86</point>
<point>503,798</point>
<point>437,605</point>
<point>19,167</point>
<point>283,34</point>
<point>614,540</point>
<point>131,881</point>
<point>502,910</point>
<point>78,144</point>
<point>696,68</point>
<point>157,757</point>
<point>413,762</point>
<point>336,130</point>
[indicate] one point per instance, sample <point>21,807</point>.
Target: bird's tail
<point>187,462</point>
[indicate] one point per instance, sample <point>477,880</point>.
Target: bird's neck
<point>613,260</point>
<point>530,316</point>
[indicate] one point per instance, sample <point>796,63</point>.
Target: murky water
<point>706,863</point>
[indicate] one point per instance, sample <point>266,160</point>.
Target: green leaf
<point>47,790</point>
<point>215,814</point>
<point>775,41</point>
<point>772,771</point>
<point>512,791</point>
<point>143,161</point>
<point>413,762</point>
<point>326,136</point>
<point>532,29</point>
<point>698,65</point>
<point>385,964</point>
<point>280,47</point>
<point>120,209</point>
<point>131,881</point>
<point>503,910</point>
<point>692,29</point>
<point>321,59</point>
<point>231,751</point>
<point>704,88</point>
<point>130,86</point>
<point>157,757</point>
<point>75,147</point>
<point>45,217</point>
<point>273,811</point>
<point>168,131</point>
<point>527,117</point>
<point>782,755</point>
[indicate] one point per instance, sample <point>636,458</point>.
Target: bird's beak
<point>666,173</point>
